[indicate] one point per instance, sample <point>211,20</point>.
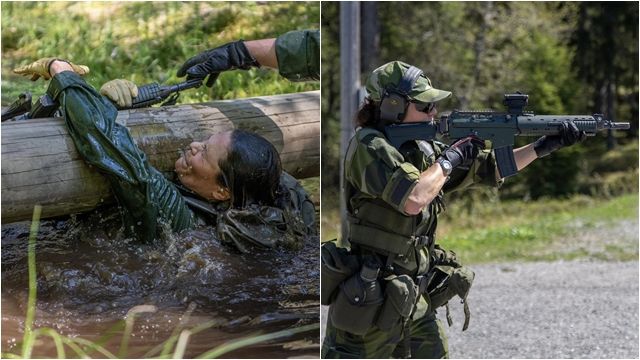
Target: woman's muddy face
<point>198,168</point>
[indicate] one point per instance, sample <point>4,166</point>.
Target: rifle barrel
<point>193,83</point>
<point>619,125</point>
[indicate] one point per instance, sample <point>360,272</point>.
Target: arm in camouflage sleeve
<point>483,172</point>
<point>298,55</point>
<point>295,54</point>
<point>377,169</point>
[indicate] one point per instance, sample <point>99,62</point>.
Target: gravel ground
<point>564,309</point>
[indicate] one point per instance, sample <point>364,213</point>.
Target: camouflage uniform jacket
<point>378,181</point>
<point>146,196</point>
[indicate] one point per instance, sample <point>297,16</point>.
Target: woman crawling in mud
<point>232,180</point>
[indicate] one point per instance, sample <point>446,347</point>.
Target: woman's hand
<point>43,68</point>
<point>120,91</point>
<point>463,151</point>
<point>569,135</point>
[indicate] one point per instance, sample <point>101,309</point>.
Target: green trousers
<point>427,341</point>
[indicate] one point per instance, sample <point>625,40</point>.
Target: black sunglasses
<point>426,108</point>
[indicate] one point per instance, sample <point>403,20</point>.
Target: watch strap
<point>445,164</point>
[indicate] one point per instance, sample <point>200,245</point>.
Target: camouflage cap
<point>389,76</point>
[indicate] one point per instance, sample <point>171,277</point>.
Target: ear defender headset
<point>395,100</point>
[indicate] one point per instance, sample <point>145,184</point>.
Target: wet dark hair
<point>251,170</point>
<point>369,114</point>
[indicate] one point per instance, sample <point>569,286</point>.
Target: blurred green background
<point>570,57</point>
<point>147,41</point>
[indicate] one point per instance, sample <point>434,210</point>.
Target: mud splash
<point>89,275</point>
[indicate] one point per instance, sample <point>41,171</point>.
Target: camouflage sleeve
<point>481,173</point>
<point>298,54</point>
<point>377,169</point>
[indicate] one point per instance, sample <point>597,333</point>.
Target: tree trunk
<point>370,37</point>
<point>41,166</point>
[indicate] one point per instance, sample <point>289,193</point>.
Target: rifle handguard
<point>147,95</point>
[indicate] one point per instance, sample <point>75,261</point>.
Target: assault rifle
<point>45,106</point>
<point>500,128</point>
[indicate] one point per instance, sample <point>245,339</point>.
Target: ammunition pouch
<point>357,305</point>
<point>447,282</point>
<point>401,295</point>
<point>337,264</point>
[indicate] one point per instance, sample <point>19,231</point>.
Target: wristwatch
<point>446,166</point>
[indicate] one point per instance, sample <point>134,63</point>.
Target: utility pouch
<point>358,302</point>
<point>449,282</point>
<point>452,282</point>
<point>336,266</point>
<point>401,294</point>
<point>440,291</point>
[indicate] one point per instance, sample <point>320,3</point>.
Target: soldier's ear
<point>221,194</point>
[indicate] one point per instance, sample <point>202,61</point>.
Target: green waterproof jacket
<point>298,54</point>
<point>147,198</point>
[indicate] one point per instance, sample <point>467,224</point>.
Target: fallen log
<point>41,166</point>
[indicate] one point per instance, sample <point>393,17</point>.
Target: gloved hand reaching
<point>231,56</point>
<point>42,68</point>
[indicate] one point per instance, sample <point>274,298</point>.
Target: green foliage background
<point>147,41</point>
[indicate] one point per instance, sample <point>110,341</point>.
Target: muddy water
<point>89,275</point>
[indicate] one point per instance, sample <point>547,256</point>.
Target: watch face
<point>446,166</point>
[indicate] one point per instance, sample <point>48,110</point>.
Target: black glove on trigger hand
<point>230,56</point>
<point>569,135</point>
<point>463,151</point>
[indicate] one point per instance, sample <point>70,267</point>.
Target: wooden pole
<point>349,85</point>
<point>41,166</point>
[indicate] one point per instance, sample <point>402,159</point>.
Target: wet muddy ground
<point>89,276</point>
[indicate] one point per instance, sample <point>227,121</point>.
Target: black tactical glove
<point>231,56</point>
<point>463,151</point>
<point>569,135</point>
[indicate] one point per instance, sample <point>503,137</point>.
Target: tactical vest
<point>375,225</point>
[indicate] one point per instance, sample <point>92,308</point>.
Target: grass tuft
<point>237,344</point>
<point>29,337</point>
